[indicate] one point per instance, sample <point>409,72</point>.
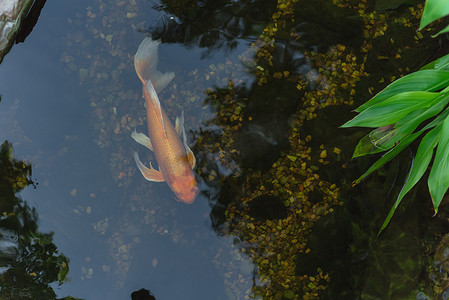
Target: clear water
<point>71,98</point>
<point>118,238</point>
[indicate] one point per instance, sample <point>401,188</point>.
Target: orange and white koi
<point>175,159</point>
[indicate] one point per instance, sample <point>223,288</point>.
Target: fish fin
<point>179,124</point>
<point>145,63</point>
<point>156,103</point>
<point>160,81</point>
<point>181,131</point>
<point>145,60</point>
<point>190,156</point>
<point>150,174</point>
<point>142,139</point>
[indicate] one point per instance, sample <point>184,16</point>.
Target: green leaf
<point>392,110</point>
<point>373,142</point>
<point>434,10</point>
<point>404,127</point>
<point>402,144</point>
<point>437,121</point>
<point>389,155</point>
<point>419,166</point>
<point>439,176</point>
<point>441,63</point>
<point>441,31</point>
<point>386,137</point>
<point>411,121</point>
<point>429,80</point>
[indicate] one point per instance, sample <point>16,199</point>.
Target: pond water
<point>264,86</point>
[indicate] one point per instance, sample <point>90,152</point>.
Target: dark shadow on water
<point>142,294</point>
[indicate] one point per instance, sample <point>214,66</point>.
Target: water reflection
<point>211,24</point>
<point>29,260</point>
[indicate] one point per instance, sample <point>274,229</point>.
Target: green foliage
<point>434,10</point>
<point>439,175</point>
<point>406,104</point>
<point>393,109</point>
<point>419,166</point>
<point>430,80</point>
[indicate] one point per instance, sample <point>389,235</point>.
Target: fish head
<point>185,189</point>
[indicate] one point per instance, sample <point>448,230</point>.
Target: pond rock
<point>12,13</point>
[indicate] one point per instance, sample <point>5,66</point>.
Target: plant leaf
<point>434,10</point>
<point>386,137</point>
<point>404,143</point>
<point>392,110</point>
<point>439,176</point>
<point>373,142</point>
<point>419,167</point>
<point>441,63</point>
<point>389,155</point>
<point>428,80</point>
<point>410,122</point>
<point>438,120</point>
<point>446,29</point>
<point>403,127</point>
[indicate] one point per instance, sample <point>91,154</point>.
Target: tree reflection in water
<point>212,24</point>
<point>29,260</point>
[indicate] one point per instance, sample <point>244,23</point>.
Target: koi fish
<point>175,159</point>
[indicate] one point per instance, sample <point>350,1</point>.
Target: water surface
<point>264,87</point>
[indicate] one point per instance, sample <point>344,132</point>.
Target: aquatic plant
<point>398,113</point>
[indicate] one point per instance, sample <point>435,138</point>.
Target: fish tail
<point>145,63</point>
